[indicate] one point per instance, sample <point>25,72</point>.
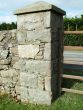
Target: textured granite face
<point>39,6</point>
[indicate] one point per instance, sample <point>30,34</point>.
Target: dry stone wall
<point>9,62</point>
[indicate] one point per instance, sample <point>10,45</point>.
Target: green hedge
<point>73,40</point>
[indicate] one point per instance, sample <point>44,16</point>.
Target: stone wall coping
<point>12,30</point>
<point>39,7</point>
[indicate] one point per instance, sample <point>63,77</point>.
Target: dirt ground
<point>73,48</point>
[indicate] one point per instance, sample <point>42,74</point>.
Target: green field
<point>67,101</point>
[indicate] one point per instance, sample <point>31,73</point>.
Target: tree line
<point>73,24</point>
<point>8,26</point>
<point>70,24</point>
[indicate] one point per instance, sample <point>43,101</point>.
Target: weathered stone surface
<point>5,62</point>
<point>18,97</point>
<point>7,87</point>
<point>15,59</point>
<point>39,96</point>
<point>38,57</point>
<point>48,81</point>
<point>36,67</point>
<point>3,54</point>
<point>34,36</point>
<point>17,89</point>
<point>13,93</point>
<point>39,6</point>
<point>41,35</point>
<point>47,20</point>
<point>47,51</point>
<point>0,81</point>
<point>28,80</point>
<point>2,90</point>
<point>26,22</point>
<point>28,51</point>
<point>16,79</point>
<point>9,73</point>
<point>51,51</point>
<point>14,50</point>
<point>21,36</point>
<point>34,21</point>
<point>24,94</point>
<point>16,65</point>
<point>1,36</point>
<point>7,37</point>
<point>41,83</point>
<point>3,67</point>
<point>57,21</point>
<point>7,82</point>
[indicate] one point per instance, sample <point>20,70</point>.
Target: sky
<point>7,7</point>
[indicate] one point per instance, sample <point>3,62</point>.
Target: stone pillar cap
<point>39,7</point>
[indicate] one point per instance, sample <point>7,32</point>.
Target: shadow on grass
<point>72,69</point>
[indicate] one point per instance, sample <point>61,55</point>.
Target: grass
<point>67,101</point>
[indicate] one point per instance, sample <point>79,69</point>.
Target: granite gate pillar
<point>40,46</point>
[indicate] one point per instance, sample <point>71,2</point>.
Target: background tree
<point>73,24</point>
<point>8,26</point>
